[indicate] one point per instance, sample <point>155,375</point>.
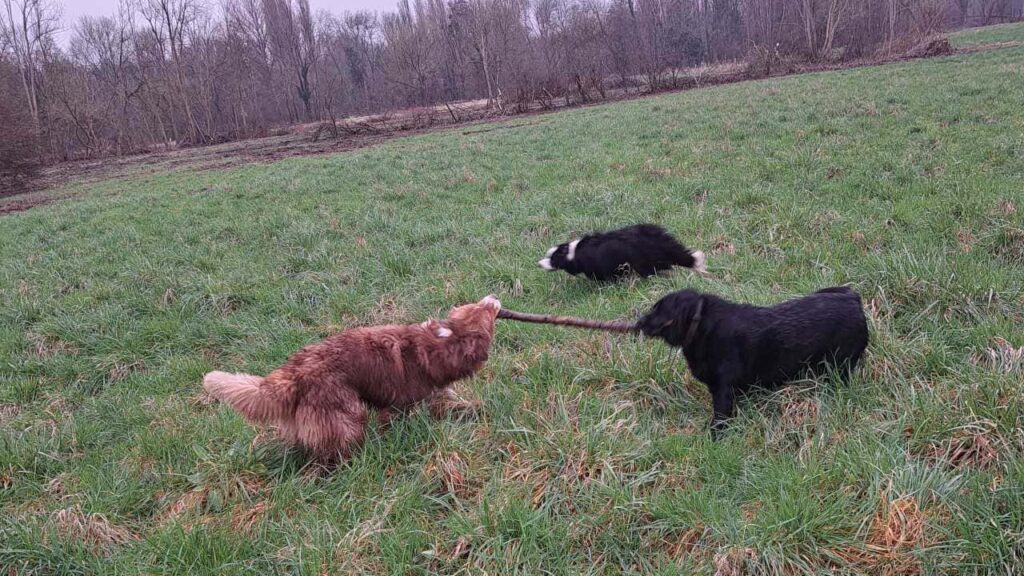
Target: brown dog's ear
<point>437,328</point>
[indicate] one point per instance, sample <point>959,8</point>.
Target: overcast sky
<point>73,9</point>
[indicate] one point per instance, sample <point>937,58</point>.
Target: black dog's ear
<point>663,318</point>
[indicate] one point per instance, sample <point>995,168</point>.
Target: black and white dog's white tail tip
<point>700,261</point>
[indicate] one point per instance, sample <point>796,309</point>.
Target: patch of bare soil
<point>17,203</point>
<point>361,132</point>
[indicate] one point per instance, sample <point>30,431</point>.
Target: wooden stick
<point>607,326</point>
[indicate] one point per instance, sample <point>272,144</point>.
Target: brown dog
<point>319,397</point>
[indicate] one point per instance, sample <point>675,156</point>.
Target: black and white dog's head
<point>673,318</point>
<point>561,257</point>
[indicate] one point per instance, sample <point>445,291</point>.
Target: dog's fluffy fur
<point>642,249</point>
<point>320,396</point>
<point>733,347</point>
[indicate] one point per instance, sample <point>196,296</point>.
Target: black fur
<point>734,347</point>
<point>642,249</point>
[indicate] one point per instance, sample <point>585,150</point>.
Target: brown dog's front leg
<point>384,417</point>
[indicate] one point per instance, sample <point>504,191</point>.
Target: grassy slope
<point>988,35</point>
<point>587,452</point>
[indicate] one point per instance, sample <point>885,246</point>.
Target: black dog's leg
<point>847,366</point>
<point>845,369</point>
<point>723,397</point>
<point>723,394</point>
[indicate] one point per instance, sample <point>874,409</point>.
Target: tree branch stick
<point>607,326</point>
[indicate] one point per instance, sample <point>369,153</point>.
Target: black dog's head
<point>672,317</point>
<point>560,257</point>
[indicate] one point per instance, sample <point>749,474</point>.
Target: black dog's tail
<point>693,259</point>
<point>679,254</point>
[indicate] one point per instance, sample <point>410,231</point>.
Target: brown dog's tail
<point>254,397</point>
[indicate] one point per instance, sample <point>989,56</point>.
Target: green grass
<point>989,35</point>
<point>588,452</point>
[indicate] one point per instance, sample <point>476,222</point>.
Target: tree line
<point>190,72</point>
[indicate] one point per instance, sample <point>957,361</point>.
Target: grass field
<point>588,452</point>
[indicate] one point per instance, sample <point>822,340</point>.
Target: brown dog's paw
<point>448,403</point>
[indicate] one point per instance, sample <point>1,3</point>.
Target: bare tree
<point>171,72</point>
<point>168,22</point>
<point>411,60</point>
<point>293,45</point>
<point>27,29</point>
<point>104,46</point>
<point>19,158</point>
<point>475,23</point>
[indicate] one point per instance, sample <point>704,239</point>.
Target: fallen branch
<point>455,118</point>
<point>607,326</point>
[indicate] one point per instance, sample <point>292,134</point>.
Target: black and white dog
<point>734,347</point>
<point>642,249</point>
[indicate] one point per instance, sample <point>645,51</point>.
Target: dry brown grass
<point>1001,356</point>
<point>721,245</point>
<point>245,518</point>
<point>94,530</point>
<point>44,347</point>
<point>464,176</point>
<point>882,368</point>
<point>580,469</point>
<point>517,469</point>
<point>732,562</point>
<point>193,507</point>
<point>388,311</point>
<point>651,169</point>
<point>898,525</point>
<point>965,239</point>
<point>685,545</point>
<point>56,488</point>
<point>876,309</point>
<point>799,414</point>
<point>449,472</point>
<point>201,399</point>
<point>189,502</point>
<point>896,531</point>
<point>441,554</point>
<point>121,370</point>
<point>358,551</point>
<point>8,412</point>
<point>977,446</point>
<point>822,221</point>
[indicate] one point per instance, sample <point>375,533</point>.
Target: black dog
<point>643,249</point>
<point>733,347</point>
